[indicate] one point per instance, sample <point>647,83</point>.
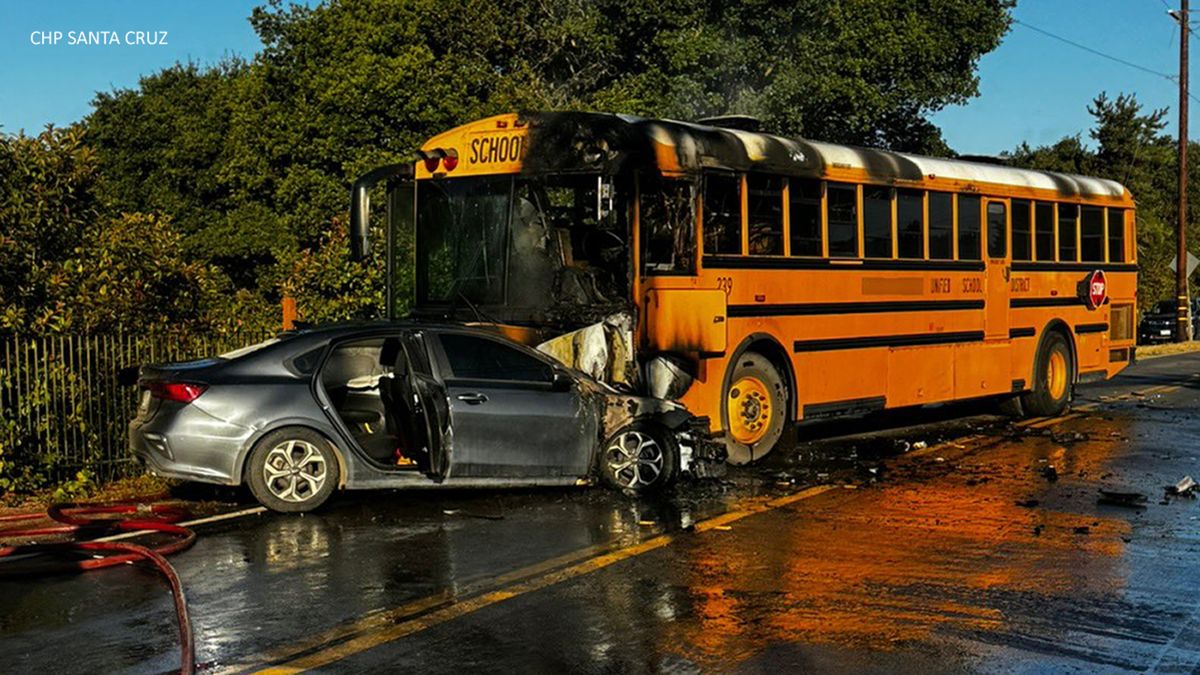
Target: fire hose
<point>74,520</point>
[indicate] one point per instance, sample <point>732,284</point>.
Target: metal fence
<point>62,408</point>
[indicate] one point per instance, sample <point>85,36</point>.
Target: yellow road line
<point>385,617</point>
<point>386,625</point>
<point>380,631</point>
<point>1054,421</point>
<point>1032,421</point>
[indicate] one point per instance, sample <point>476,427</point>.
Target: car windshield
<point>520,241</point>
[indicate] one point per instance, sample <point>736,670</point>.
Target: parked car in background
<point>403,405</point>
<point>1158,324</point>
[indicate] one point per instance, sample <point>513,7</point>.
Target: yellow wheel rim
<point>750,410</point>
<point>1056,375</point>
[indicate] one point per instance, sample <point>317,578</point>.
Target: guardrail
<point>62,409</point>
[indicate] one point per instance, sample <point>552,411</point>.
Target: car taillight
<point>182,392</point>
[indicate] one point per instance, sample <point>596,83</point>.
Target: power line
<point>1097,52</point>
<point>1166,76</point>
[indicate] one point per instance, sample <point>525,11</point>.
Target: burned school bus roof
<point>573,141</point>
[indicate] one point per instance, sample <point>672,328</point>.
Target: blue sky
<point>1033,88</point>
<point>56,83</point>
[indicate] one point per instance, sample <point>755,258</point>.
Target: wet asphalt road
<point>844,552</point>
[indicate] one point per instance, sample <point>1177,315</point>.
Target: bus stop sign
<point>1095,289</point>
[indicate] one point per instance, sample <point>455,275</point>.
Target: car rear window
<point>248,349</point>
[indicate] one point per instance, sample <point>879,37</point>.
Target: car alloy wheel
<point>634,459</point>
<point>295,471</point>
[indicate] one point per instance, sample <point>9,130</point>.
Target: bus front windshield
<point>521,242</point>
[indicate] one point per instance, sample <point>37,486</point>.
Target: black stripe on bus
<point>911,340</point>
<point>811,308</point>
<point>855,406</point>
<point>1082,328</point>
<point>739,262</point>
<point>1014,333</point>
<point>1057,301</point>
<point>1072,267</point>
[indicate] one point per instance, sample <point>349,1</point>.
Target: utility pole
<point>1181,276</point>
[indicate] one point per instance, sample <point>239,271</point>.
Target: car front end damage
<point>701,455</point>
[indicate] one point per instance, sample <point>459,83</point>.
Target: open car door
<point>430,408</point>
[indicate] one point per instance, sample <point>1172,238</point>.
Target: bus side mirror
<point>360,205</point>
<point>360,221</point>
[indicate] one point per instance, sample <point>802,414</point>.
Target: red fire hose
<point>70,519</point>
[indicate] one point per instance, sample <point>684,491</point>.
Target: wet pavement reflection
<point>950,540</point>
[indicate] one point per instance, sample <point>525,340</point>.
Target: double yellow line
<point>385,626</point>
<point>413,617</point>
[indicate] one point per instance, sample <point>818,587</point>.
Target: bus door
<point>998,271</point>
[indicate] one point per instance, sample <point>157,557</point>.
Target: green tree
<point>252,160</point>
<point>66,265</point>
<point>1132,149</point>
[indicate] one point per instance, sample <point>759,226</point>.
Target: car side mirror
<point>561,381</point>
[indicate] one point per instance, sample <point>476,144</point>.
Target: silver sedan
<point>404,405</point>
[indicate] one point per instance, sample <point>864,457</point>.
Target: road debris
<point>470,514</point>
<point>1027,503</point>
<point>1186,487</point>
<point>1115,498</point>
<point>1049,473</point>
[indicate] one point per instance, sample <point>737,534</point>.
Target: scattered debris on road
<point>1186,487</point>
<point>471,514</point>
<point>1115,498</point>
<point>1027,503</point>
<point>1049,473</point>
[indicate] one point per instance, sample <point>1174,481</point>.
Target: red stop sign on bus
<point>1096,290</point>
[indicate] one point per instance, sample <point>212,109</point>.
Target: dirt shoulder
<point>1168,349</point>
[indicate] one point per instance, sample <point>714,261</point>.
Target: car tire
<point>641,458</point>
<point>292,470</point>
<point>754,407</point>
<point>1053,378</point>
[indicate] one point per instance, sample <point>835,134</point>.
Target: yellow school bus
<point>762,280</point>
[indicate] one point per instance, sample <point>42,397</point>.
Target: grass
<point>143,488</point>
<point>1167,349</point>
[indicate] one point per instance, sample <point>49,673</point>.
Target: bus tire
<point>754,406</point>
<point>1053,378</point>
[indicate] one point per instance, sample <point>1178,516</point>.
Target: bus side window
<point>997,221</point>
<point>910,223</point>
<point>843,220</point>
<point>941,226</point>
<point>1043,228</point>
<point>877,221</point>
<point>1022,232</point>
<point>765,214</point>
<point>1091,234</point>
<point>1116,235</point>
<point>722,214</point>
<point>969,244</point>
<point>805,214</point>
<point>668,225</point>
<point>1068,229</point>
